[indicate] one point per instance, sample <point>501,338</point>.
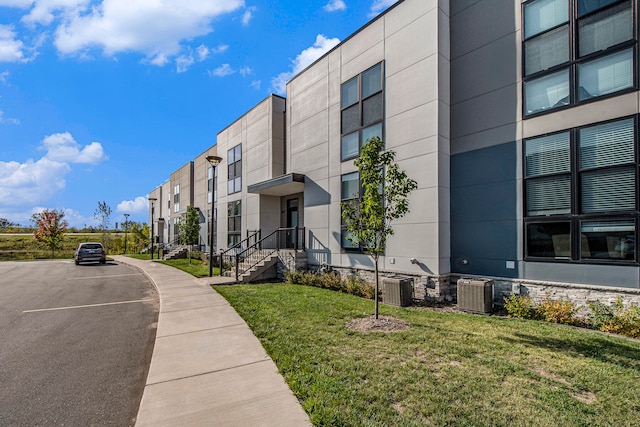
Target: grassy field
<point>24,246</point>
<point>448,369</point>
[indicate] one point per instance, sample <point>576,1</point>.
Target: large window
<point>176,198</point>
<point>362,110</point>
<point>212,185</point>
<point>580,187</point>
<point>213,227</point>
<point>576,50</point>
<point>234,159</point>
<point>234,217</point>
<point>350,190</point>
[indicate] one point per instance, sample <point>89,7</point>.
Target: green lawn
<point>448,369</point>
<point>196,267</point>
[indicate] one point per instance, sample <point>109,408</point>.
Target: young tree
<point>385,190</point>
<point>5,224</point>
<point>189,228</point>
<point>139,235</point>
<point>50,229</point>
<point>102,215</point>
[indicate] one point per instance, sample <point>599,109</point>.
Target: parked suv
<point>90,252</point>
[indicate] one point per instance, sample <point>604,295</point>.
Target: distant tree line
<point>50,226</point>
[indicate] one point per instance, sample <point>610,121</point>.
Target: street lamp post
<point>213,161</point>
<point>152,200</point>
<point>126,228</point>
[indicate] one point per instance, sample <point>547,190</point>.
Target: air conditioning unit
<point>475,295</point>
<point>397,291</point>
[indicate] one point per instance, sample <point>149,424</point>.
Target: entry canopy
<point>282,185</point>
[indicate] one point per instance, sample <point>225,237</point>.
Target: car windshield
<point>91,246</point>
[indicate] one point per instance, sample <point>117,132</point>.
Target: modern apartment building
<point>518,120</point>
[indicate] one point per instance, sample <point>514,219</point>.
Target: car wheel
<point>77,263</point>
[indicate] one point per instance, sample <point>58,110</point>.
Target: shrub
<point>520,306</point>
<point>352,285</point>
<point>622,320</point>
<point>601,314</point>
<point>355,285</point>
<point>557,311</point>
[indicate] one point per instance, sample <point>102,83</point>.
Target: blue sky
<point>102,100</point>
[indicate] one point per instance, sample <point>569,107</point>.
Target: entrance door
<point>292,222</point>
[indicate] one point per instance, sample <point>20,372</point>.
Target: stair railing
<point>229,254</point>
<point>281,238</point>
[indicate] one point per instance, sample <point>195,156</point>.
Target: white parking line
<point>87,306</point>
<point>102,277</point>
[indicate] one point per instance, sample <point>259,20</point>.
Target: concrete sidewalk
<point>207,368</point>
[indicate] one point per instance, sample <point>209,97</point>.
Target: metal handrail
<point>281,238</point>
<point>254,235</point>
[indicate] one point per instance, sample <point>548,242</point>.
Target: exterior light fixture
<point>152,200</point>
<point>126,228</point>
<point>213,161</point>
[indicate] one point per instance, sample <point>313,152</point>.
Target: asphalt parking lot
<point>76,342</point>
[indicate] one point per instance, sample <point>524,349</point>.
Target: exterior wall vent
<point>397,291</point>
<point>475,295</point>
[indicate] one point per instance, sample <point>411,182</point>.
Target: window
<point>176,230</point>
<point>580,193</point>
<point>362,116</point>
<point>604,75</point>
<point>213,226</point>
<point>234,216</point>
<point>234,159</point>
<point>350,190</point>
<point>572,55</point>
<point>212,185</point>
<point>176,198</point>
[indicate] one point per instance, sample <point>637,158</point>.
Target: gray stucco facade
<point>451,101</point>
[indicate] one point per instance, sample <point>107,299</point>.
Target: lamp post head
<point>214,160</point>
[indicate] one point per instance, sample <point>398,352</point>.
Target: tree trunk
<point>375,259</point>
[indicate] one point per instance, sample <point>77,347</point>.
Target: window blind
<point>608,190</point>
<point>607,145</point>
<point>542,15</point>
<point>549,196</point>
<point>547,155</point>
<point>606,75</point>
<point>605,29</point>
<point>547,50</point>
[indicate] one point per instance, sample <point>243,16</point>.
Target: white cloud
<point>139,205</point>
<point>154,28</point>
<point>203,52</point>
<point>245,71</point>
<point>34,182</point>
<point>11,49</point>
<point>248,15</point>
<point>200,54</point>
<point>335,5</point>
<point>321,46</point>
<point>31,182</point>
<point>61,147</point>
<point>44,11</point>
<point>8,120</point>
<point>4,76</point>
<point>256,84</point>
<point>183,63</point>
<point>222,71</point>
<point>220,49</point>
<point>379,6</point>
<point>22,4</point>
